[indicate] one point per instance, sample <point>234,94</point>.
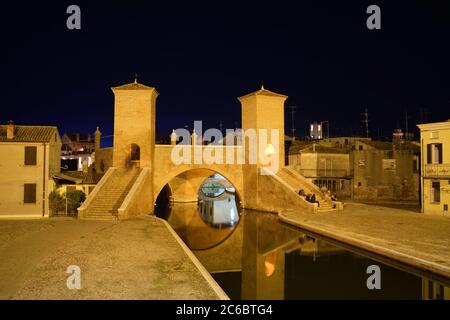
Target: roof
<point>80,177</point>
<point>29,133</point>
<point>379,145</point>
<point>435,125</point>
<point>133,86</point>
<point>83,137</point>
<point>264,92</point>
<point>310,147</point>
<point>388,146</point>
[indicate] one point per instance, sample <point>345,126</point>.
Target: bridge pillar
<point>134,124</point>
<point>262,111</point>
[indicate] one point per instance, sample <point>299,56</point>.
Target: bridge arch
<point>196,176</point>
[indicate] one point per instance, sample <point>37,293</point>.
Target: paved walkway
<point>133,259</point>
<point>413,238</point>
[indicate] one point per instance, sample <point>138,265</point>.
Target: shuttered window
<point>30,156</point>
<point>29,193</point>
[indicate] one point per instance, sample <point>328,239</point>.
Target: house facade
<point>324,165</point>
<point>360,168</point>
<point>435,168</point>
<point>385,170</point>
<point>29,156</point>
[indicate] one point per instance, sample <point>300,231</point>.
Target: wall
<point>374,180</point>
<point>14,174</point>
<point>105,156</point>
<point>139,198</point>
<point>443,130</point>
<point>325,167</point>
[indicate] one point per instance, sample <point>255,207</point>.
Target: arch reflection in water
<point>198,234</point>
<point>217,202</point>
<point>209,221</point>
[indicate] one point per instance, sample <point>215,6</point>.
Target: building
<point>360,168</point>
<point>30,155</point>
<point>85,181</point>
<point>324,165</point>
<point>77,150</point>
<point>435,167</point>
<point>384,170</point>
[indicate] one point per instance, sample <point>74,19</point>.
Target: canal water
<point>252,255</point>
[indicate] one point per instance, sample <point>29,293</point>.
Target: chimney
<point>97,136</point>
<point>10,130</point>
<point>77,137</point>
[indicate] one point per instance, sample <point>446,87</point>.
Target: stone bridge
<point>137,170</point>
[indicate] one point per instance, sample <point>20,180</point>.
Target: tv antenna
<point>365,121</point>
<point>293,108</point>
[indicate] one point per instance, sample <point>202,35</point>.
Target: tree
<point>57,202</point>
<point>74,200</point>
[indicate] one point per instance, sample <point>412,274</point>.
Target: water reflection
<point>207,223</point>
<point>264,259</point>
<point>219,213</point>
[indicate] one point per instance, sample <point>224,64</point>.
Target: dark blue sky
<point>202,55</point>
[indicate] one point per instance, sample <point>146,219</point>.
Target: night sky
<point>202,55</point>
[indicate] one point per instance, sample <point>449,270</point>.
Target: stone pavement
<point>133,259</point>
<point>418,240</point>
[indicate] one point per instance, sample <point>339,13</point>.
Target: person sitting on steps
<point>314,200</point>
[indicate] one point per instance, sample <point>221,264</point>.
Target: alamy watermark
<point>239,146</point>
<point>374,20</point>
<point>73,22</point>
<point>74,280</point>
<point>374,280</point>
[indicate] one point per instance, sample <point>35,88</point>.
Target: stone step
<point>111,196</point>
<point>101,218</point>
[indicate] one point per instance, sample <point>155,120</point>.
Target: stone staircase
<point>297,182</point>
<point>111,195</point>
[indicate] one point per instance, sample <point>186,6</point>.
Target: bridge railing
<point>131,206</point>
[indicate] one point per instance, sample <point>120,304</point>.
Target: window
<point>135,152</point>
<point>71,189</point>
<point>389,164</point>
<point>434,135</point>
<point>29,193</point>
<point>360,147</point>
<point>30,156</point>
<point>434,153</point>
<point>436,192</point>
